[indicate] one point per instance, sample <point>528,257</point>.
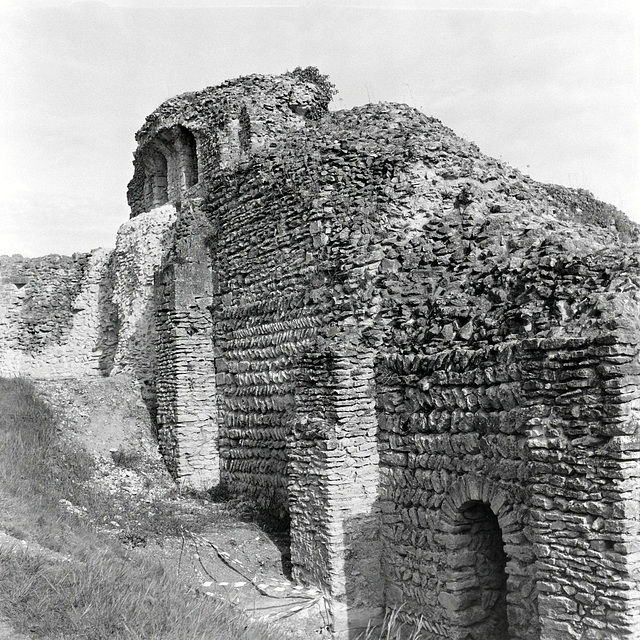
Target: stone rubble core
<point>426,360</point>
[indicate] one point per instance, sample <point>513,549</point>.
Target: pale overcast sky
<point>551,87</point>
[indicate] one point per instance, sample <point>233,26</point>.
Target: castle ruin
<point>427,361</point>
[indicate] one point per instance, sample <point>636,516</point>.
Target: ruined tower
<point>423,358</point>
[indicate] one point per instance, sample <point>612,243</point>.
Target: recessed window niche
<point>170,163</point>
<point>156,191</point>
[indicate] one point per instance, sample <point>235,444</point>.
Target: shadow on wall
<point>109,320</point>
<point>278,530</point>
<point>142,345</point>
<point>364,583</point>
<point>134,353</point>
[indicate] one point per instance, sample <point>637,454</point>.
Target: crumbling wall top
<point>285,100</point>
<point>192,135</point>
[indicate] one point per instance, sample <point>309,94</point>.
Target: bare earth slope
<point>218,548</point>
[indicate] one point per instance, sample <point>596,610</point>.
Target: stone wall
<point>452,439</point>
<point>380,237</point>
<point>185,378</point>
<point>200,422</point>
<point>89,314</point>
<point>583,400</point>
<point>51,314</point>
<point>424,359</point>
<point>541,433</point>
<point>418,246</point>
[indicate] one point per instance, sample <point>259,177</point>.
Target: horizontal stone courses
<point>452,360</point>
<point>280,306</point>
<point>278,355</point>
<point>251,452</point>
<point>266,467</point>
<point>275,339</point>
<point>270,328</point>
<point>242,419</point>
<point>252,378</point>
<point>281,389</point>
<point>457,421</point>
<point>264,403</point>
<point>255,445</point>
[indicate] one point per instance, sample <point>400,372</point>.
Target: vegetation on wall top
<point>326,89</point>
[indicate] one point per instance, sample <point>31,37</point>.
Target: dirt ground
<point>231,556</point>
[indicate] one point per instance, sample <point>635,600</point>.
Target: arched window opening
<point>477,582</point>
<point>156,181</point>
<point>170,163</point>
<point>188,158</point>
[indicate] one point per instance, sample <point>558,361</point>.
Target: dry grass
<point>102,589</point>
<point>394,629</point>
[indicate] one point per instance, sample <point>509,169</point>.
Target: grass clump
<point>81,584</point>
<point>35,464</point>
<point>393,628</point>
<point>104,595</point>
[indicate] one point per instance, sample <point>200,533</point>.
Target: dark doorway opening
<point>477,583</point>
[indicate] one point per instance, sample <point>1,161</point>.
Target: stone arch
<point>187,158</point>
<point>170,162</point>
<point>156,183</point>
<point>475,590</point>
<point>489,588</point>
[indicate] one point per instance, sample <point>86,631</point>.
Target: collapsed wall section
<point>191,137</point>
<point>55,318</point>
<point>88,314</point>
<point>141,244</point>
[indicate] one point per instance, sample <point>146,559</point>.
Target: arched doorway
<point>475,590</point>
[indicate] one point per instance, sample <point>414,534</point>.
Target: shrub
<point>326,89</point>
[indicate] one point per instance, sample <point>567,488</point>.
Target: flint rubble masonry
<point>426,360</point>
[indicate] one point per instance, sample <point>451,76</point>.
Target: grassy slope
<point>78,583</point>
<point>72,581</point>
